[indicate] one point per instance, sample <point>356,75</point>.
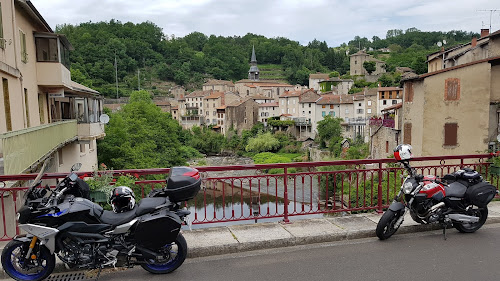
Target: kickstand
<point>98,273</point>
<point>444,231</point>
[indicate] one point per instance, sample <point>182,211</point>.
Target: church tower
<point>253,73</point>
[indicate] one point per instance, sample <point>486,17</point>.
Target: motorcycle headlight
<point>407,187</point>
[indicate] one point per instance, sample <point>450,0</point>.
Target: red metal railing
<point>251,192</point>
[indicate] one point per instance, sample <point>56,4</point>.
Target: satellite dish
<point>439,44</point>
<point>104,119</point>
<point>444,42</point>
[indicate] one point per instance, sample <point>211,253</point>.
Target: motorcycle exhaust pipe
<point>463,218</point>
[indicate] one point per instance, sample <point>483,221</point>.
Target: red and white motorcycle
<point>459,199</point>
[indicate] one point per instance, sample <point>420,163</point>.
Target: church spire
<point>253,72</point>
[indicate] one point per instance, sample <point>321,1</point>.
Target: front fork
<point>30,249</point>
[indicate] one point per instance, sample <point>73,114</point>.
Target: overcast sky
<point>333,21</point>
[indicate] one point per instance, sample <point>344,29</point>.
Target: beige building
<point>270,89</point>
<point>39,103</point>
<point>386,135</point>
<point>357,60</point>
<point>315,78</point>
<point>268,110</point>
<point>454,110</point>
<point>219,86</point>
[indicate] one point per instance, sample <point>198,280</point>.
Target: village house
<point>270,89</point>
<point>267,110</point>
<point>357,60</point>
<point>219,86</point>
<point>386,132</point>
<point>454,109</point>
<point>315,78</point>
<point>241,115</point>
<point>40,104</point>
<point>192,115</point>
<point>388,96</point>
<point>336,85</point>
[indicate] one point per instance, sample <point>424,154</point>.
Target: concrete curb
<point>240,238</point>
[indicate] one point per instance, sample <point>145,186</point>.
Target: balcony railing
<point>89,131</point>
<point>52,74</point>
<point>390,123</point>
<point>23,148</point>
<point>254,192</point>
<point>301,121</point>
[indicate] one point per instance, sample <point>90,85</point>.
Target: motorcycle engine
<point>427,211</point>
<point>86,255</point>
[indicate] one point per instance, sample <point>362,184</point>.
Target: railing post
<point>285,183</point>
<point>379,192</point>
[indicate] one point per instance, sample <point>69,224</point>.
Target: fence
<point>256,192</point>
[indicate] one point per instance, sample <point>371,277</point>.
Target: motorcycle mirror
<point>76,167</point>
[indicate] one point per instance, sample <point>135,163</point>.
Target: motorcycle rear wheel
<point>482,213</point>
<point>175,253</point>
<point>19,268</point>
<point>386,225</point>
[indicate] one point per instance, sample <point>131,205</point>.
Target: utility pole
<point>116,76</point>
<point>491,14</point>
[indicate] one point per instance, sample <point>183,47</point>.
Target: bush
<point>262,143</point>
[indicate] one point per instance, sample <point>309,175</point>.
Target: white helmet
<point>403,152</point>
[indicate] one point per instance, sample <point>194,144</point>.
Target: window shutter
<point>409,92</point>
<point>450,134</point>
<point>452,89</point>
<point>407,133</point>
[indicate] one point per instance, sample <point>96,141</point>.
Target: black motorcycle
<point>85,236</point>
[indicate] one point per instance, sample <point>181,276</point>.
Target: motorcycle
<point>459,199</point>
<point>85,236</point>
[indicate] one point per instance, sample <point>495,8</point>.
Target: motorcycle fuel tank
<point>432,188</point>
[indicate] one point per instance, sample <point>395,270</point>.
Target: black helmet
<point>122,199</point>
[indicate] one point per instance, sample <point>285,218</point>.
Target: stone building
<point>253,72</point>
<point>241,115</point>
<point>357,60</point>
<point>315,78</point>
<point>219,86</point>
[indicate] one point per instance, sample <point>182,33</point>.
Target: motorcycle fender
<point>22,238</point>
<point>396,206</point>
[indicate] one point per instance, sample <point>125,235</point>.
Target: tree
<point>329,129</point>
<point>207,140</point>
<point>369,66</point>
<point>142,136</point>
<point>262,143</point>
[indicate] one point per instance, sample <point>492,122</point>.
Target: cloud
<point>335,21</point>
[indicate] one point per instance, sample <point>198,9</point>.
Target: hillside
<point>192,59</point>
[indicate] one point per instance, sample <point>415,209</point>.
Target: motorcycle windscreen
<point>157,229</point>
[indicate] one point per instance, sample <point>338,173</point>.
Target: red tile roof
<point>273,104</point>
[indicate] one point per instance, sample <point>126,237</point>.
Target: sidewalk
<point>238,238</point>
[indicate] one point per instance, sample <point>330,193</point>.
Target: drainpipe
<point>14,31</point>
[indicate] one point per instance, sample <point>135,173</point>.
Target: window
<point>309,112</point>
<point>409,92</point>
<point>287,101</point>
<point>282,102</point>
<point>294,110</point>
<point>27,107</point>
<point>22,39</point>
<point>394,101</point>
<point>46,49</point>
<point>60,156</point>
<point>323,113</point>
<point>309,105</point>
<point>369,103</point>
<point>214,113</point>
<point>6,104</point>
<point>355,62</point>
<point>369,111</point>
<point>452,89</point>
<point>450,134</point>
<point>2,40</point>
<point>293,101</point>
<point>331,106</point>
<point>386,146</point>
<point>323,106</point>
<point>359,104</point>
<point>384,102</point>
<point>347,110</point>
<point>91,146</point>
<point>360,111</point>
<point>82,148</point>
<point>407,133</point>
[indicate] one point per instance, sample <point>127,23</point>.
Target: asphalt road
<point>422,256</point>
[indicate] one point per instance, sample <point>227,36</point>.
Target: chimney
<point>485,32</point>
<point>474,42</point>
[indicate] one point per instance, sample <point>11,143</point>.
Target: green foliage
<point>272,158</point>
<point>142,136</point>
<point>329,128</point>
<point>334,74</point>
<point>262,143</point>
<point>280,123</point>
<point>369,66</point>
<point>206,140</point>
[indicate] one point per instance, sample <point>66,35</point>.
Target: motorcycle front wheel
<point>482,213</point>
<point>174,255</point>
<point>386,226</point>
<point>36,267</point>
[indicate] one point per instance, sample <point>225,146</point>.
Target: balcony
<point>355,122</point>
<point>23,148</point>
<point>52,74</point>
<point>90,131</point>
<point>390,123</point>
<point>302,121</point>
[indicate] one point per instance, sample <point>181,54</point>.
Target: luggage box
<point>480,194</point>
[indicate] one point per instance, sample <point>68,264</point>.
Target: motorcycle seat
<point>112,218</point>
<point>455,189</point>
<point>149,204</point>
